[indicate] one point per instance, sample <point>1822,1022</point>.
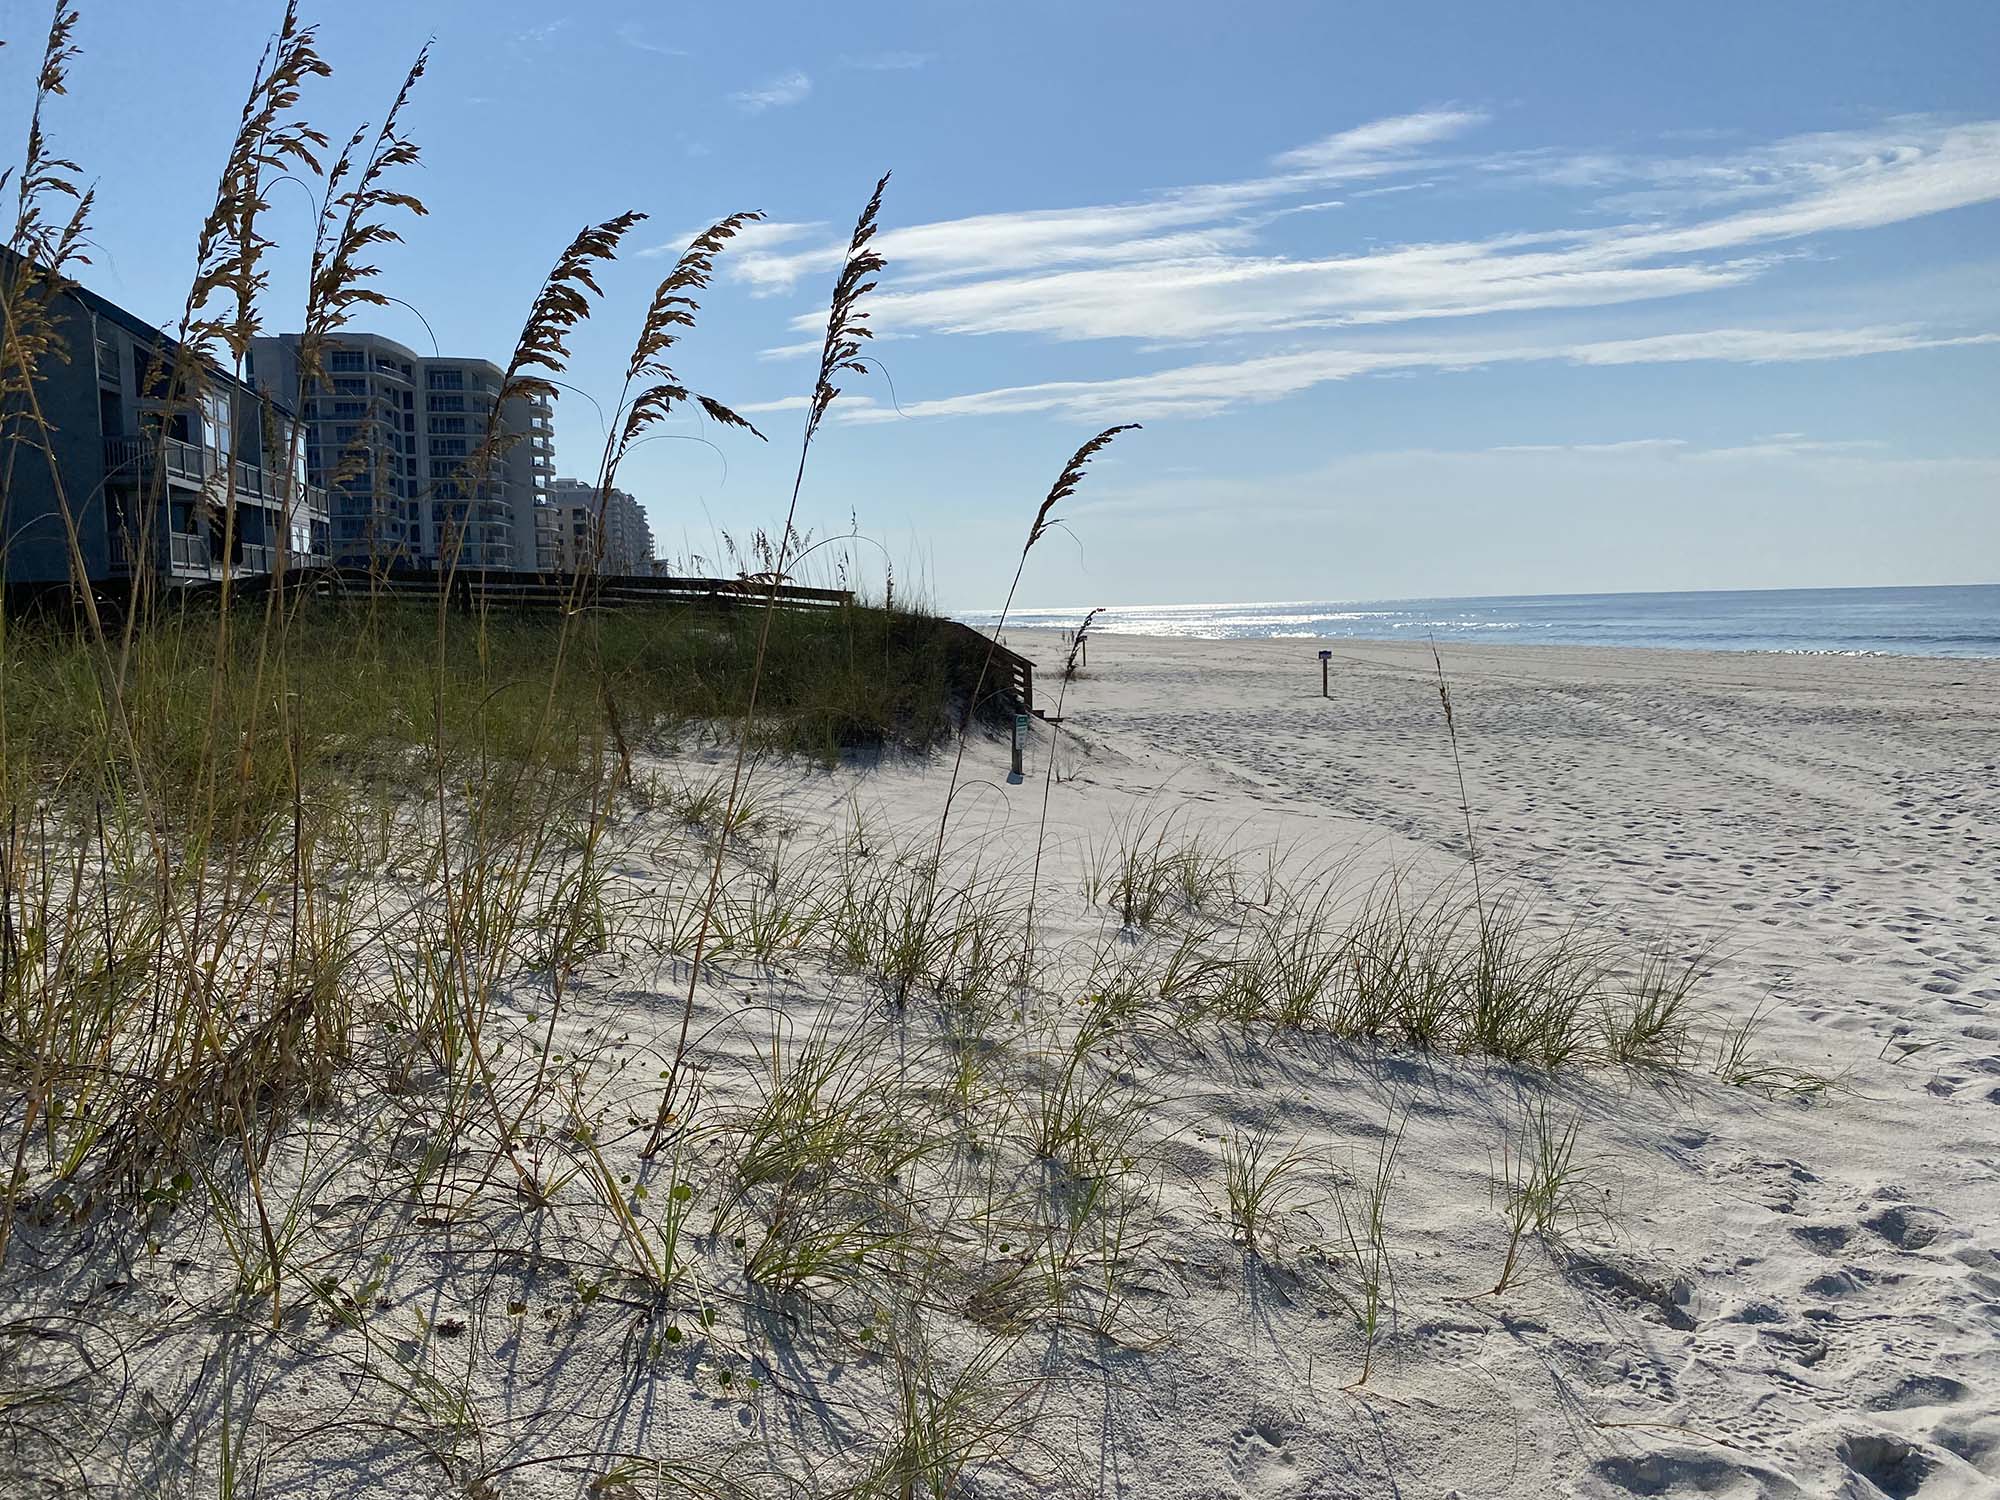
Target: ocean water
<point>1939,621</point>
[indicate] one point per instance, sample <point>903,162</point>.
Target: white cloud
<point>1140,231</point>
<point>1189,263</point>
<point>1627,446</point>
<point>851,403</point>
<point>1365,145</point>
<point>801,350</point>
<point>752,237</point>
<point>787,89</point>
<point>1214,386</point>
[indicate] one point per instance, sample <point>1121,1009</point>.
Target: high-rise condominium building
<point>617,541</point>
<point>393,436</point>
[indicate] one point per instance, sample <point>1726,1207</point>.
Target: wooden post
<point>1324,658</point>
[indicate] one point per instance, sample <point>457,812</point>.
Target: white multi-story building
<point>392,435</point>
<point>606,532</point>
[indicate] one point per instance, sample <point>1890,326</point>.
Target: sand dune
<point>1786,1290</point>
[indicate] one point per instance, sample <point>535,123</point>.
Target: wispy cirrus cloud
<point>1103,273</point>
<point>1164,227</point>
<point>1379,140</point>
<point>542,34</point>
<point>852,403</point>
<point>634,35</point>
<point>889,62</point>
<point>1774,445</point>
<point>1196,264</point>
<point>757,235</point>
<point>786,89</point>
<point>1211,387</point>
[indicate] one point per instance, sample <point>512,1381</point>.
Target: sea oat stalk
<point>840,352</point>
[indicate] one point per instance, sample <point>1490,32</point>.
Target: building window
<point>348,359</point>
<point>444,403</point>
<point>444,380</point>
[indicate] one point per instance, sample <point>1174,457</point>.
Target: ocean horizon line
<point>1946,620</point>
<point>1080,610</point>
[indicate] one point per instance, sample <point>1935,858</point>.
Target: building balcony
<point>142,460</point>
<point>187,557</point>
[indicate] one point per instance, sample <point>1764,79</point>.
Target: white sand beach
<point>1813,1286</point>
<point>1783,1283</point>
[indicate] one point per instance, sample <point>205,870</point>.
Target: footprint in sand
<point>1260,1460</point>
<point>1907,1226</point>
<point>1689,1471</point>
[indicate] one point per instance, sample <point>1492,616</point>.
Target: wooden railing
<point>1010,673</point>
<point>470,588</point>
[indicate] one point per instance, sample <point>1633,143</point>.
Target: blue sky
<point>1412,300</point>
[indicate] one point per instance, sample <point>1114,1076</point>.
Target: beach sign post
<point>1020,740</point>
<point>1324,658</point>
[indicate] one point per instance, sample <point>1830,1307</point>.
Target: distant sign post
<point>1020,740</point>
<point>1325,657</point>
